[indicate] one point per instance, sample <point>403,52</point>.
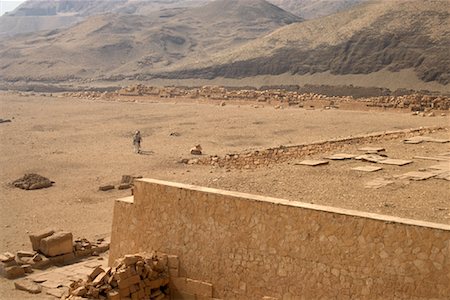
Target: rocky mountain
<point>378,35</point>
<point>33,16</point>
<point>116,45</point>
<point>311,9</point>
<point>40,15</point>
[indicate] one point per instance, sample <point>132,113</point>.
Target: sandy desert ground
<point>82,144</point>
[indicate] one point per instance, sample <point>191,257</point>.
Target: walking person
<point>137,139</point>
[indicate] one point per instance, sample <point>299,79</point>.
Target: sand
<point>82,144</point>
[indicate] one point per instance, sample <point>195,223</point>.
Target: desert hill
<point>34,16</point>
<point>392,35</point>
<point>311,9</point>
<point>116,45</point>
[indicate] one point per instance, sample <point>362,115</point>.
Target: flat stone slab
<point>378,183</point>
<point>367,169</point>
<point>313,163</point>
<point>437,158</point>
<point>371,149</point>
<point>28,286</point>
<point>396,162</point>
<point>414,175</point>
<point>371,158</point>
<point>341,156</point>
<point>444,166</point>
<point>443,175</point>
<point>422,139</point>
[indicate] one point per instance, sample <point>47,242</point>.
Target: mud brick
<point>131,259</point>
<point>81,291</point>
<point>96,272</point>
<point>135,296</point>
<point>36,238</point>
<point>100,277</point>
<point>141,294</point>
<point>128,282</point>
<point>57,244</point>
<point>121,275</point>
<point>141,285</point>
<point>148,291</point>
<point>125,292</point>
<point>134,288</point>
<point>94,292</point>
<point>113,295</point>
<point>156,293</point>
<point>146,281</point>
<point>105,188</point>
<point>154,284</point>
<point>162,296</point>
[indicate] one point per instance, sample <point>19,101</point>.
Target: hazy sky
<point>9,5</point>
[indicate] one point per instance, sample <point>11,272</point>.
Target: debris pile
<point>49,248</point>
<point>32,182</point>
<point>133,276</point>
<point>126,182</point>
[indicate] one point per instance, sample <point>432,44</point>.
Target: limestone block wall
<point>265,157</point>
<point>250,247</point>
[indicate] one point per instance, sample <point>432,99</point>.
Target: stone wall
<point>250,247</point>
<point>266,157</point>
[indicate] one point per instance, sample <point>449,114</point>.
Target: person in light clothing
<point>137,139</point>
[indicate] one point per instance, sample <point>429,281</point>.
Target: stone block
<point>113,295</point>
<point>62,259</point>
<point>41,264</point>
<point>28,286</point>
<point>12,272</point>
<point>124,292</point>
<point>57,244</point>
<point>105,188</point>
<point>36,238</point>
<point>7,257</point>
<point>98,270</point>
<point>127,283</point>
<point>23,253</point>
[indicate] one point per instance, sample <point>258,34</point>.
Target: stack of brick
<point>131,277</point>
<point>49,248</point>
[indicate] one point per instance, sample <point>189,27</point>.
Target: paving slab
<point>396,162</point>
<point>437,158</point>
<point>341,156</point>
<point>372,149</point>
<point>367,169</point>
<point>444,166</point>
<point>415,175</point>
<point>444,175</point>
<point>371,158</point>
<point>313,163</point>
<point>378,183</point>
<point>422,139</point>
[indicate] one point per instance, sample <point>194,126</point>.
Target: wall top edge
<point>278,201</point>
<point>129,199</point>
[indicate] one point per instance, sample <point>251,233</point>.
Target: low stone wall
<point>249,247</point>
<point>255,159</point>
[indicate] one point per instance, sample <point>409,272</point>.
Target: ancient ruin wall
<point>252,246</point>
<point>266,157</point>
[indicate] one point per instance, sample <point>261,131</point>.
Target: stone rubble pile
<point>126,182</point>
<point>32,182</point>
<point>131,277</point>
<point>49,248</point>
<point>415,102</point>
